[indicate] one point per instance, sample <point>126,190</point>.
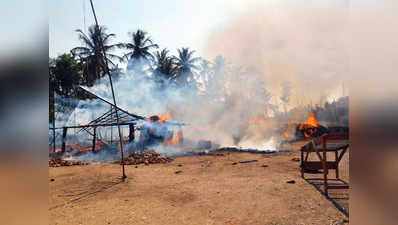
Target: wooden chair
<point>337,143</point>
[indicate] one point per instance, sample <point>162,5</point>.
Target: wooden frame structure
<point>337,143</point>
<point>107,119</point>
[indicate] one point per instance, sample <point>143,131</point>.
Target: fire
<point>176,139</point>
<point>161,118</point>
<point>286,134</point>
<point>258,121</point>
<point>310,126</point>
<point>311,121</point>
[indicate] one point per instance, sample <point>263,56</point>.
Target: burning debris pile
<point>146,158</point>
<point>58,162</point>
<point>160,130</point>
<point>310,128</point>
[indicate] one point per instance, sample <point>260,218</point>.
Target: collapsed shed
<point>105,120</point>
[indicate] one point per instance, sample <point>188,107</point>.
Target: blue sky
<point>172,24</point>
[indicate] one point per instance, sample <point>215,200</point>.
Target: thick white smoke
<point>218,110</point>
<point>274,60</point>
<point>303,44</point>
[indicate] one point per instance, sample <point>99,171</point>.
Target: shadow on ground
<point>339,198</point>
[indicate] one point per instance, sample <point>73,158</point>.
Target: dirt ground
<point>207,190</point>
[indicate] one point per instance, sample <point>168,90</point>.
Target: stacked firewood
<point>57,162</point>
<point>146,158</point>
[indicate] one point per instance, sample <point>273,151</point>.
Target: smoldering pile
<point>58,162</point>
<point>146,157</point>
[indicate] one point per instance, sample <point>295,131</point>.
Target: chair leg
<point>325,182</point>
<point>337,166</point>
<point>302,164</point>
<point>325,169</point>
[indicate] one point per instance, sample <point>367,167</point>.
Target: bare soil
<point>207,190</point>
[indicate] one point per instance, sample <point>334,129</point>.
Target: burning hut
<point>152,130</point>
<point>160,131</point>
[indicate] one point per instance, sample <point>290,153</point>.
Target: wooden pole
<point>111,127</point>
<point>324,165</point>
<point>65,130</point>
<point>53,115</point>
<point>131,132</point>
<point>94,137</point>
<point>106,68</point>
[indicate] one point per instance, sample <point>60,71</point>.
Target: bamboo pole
<point>53,115</point>
<point>106,68</point>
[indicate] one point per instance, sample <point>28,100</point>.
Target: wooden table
<point>337,143</point>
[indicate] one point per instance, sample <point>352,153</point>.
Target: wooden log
<point>249,161</point>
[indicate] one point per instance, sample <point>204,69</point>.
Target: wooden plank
<point>345,186</point>
<point>341,155</point>
<point>337,136</point>
<point>315,165</point>
<point>325,168</point>
<point>249,161</point>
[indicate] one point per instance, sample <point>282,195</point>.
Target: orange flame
<point>286,134</point>
<point>161,118</point>
<point>176,139</point>
<point>311,122</point>
<point>258,121</point>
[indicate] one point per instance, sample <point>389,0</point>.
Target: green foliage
<point>91,55</point>
<point>64,73</point>
<point>139,47</point>
<point>165,65</point>
<point>185,63</point>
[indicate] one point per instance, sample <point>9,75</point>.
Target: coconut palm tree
<point>219,64</point>
<point>91,55</point>
<point>205,71</point>
<point>186,65</point>
<point>165,66</point>
<point>139,47</point>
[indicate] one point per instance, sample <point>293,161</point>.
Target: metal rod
<point>113,93</point>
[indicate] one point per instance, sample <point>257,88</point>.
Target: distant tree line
<point>331,113</point>
<point>85,64</point>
